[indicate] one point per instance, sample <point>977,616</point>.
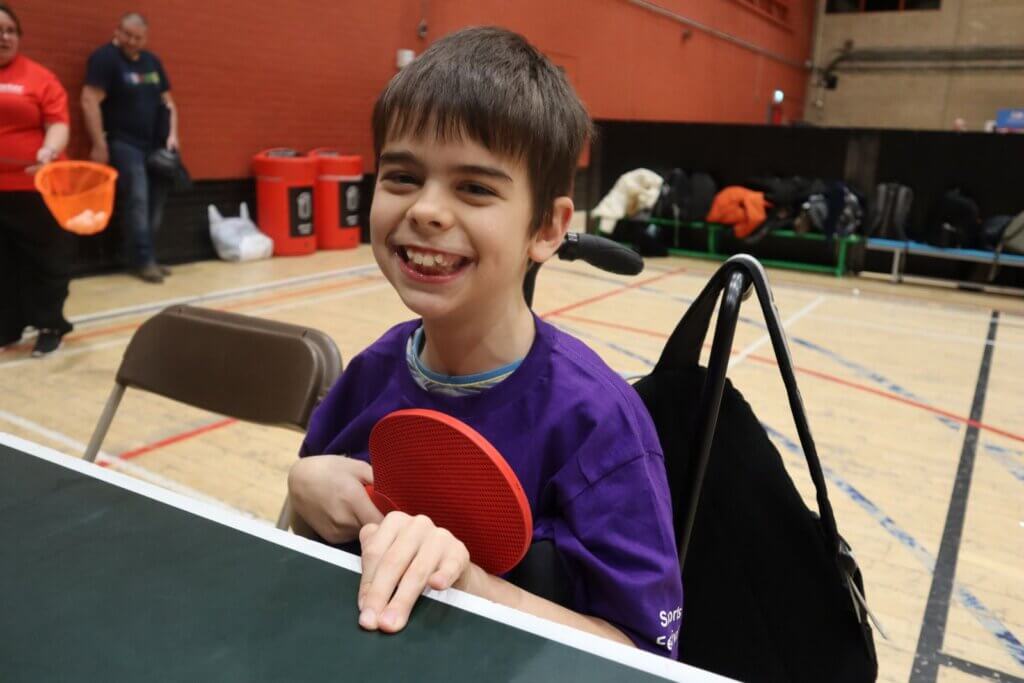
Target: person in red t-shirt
<point>34,251</point>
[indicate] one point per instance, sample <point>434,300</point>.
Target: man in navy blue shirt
<point>129,113</point>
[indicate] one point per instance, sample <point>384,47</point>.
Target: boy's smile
<point>450,229</point>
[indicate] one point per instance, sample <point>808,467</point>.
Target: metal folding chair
<point>248,368</point>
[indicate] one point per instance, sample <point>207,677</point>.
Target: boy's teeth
<point>431,261</point>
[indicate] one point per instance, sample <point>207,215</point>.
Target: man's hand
<point>327,492</point>
<point>401,556</point>
<point>100,153</point>
<point>172,142</point>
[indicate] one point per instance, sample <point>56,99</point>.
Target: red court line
<point>125,327</point>
<point>142,450</point>
<point>614,292</point>
<point>216,425</point>
<point>828,378</point>
<point>617,326</point>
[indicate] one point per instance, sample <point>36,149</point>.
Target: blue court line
<point>978,610</point>
<point>1008,458</point>
<point>982,614</point>
<point>614,347</point>
<point>1015,469</point>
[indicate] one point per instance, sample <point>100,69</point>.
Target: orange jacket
<point>739,207</point>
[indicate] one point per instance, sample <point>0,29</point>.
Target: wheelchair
<point>772,592</point>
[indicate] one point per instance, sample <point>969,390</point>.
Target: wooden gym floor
<point>913,394</point>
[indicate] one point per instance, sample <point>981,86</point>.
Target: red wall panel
<point>306,73</point>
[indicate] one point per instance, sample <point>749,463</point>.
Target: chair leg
<point>285,517</point>
<point>104,423</point>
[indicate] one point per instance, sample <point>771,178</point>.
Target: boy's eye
<point>401,177</point>
<point>479,190</point>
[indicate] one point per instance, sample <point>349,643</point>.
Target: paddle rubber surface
<point>428,463</point>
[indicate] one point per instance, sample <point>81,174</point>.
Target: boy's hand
<point>327,492</point>
<point>401,556</point>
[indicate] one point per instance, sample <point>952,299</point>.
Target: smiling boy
<point>477,144</point>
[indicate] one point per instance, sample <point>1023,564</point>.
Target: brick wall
<point>250,75</point>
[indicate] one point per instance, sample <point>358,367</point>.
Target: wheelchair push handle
<point>602,253</point>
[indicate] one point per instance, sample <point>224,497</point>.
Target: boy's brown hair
<point>491,85</point>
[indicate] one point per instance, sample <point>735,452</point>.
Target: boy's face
<point>450,228</point>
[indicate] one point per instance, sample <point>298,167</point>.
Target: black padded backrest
<point>253,369</point>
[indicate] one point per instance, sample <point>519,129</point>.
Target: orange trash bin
<point>284,199</point>
<point>337,199</point>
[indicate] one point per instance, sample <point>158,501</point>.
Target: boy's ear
<point>549,238</point>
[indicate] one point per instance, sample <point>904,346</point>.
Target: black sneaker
<point>47,342</point>
<point>150,273</point>
<point>164,270</point>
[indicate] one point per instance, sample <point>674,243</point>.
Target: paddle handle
<point>383,503</point>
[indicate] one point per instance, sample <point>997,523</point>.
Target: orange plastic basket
<point>79,194</point>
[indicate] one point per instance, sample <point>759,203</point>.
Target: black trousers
<point>35,259</point>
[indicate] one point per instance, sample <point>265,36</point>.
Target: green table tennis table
<point>107,578</point>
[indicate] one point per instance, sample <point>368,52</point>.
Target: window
<point>844,6</point>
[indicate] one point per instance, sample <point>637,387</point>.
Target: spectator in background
<point>129,114</point>
<point>34,251</point>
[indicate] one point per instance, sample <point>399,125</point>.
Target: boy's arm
<point>494,588</point>
<point>329,499</point>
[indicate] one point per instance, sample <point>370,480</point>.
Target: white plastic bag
<point>238,239</point>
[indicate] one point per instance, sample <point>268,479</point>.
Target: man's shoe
<point>47,342</point>
<point>150,273</point>
<point>164,270</point>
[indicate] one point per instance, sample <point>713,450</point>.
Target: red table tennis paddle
<point>428,463</point>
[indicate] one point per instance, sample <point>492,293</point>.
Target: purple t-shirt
<point>584,448</point>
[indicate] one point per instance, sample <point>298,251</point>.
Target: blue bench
<point>900,249</point>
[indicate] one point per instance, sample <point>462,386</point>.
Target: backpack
<point>703,189</point>
<point>674,196</point>
<point>889,212</point>
<point>955,222</point>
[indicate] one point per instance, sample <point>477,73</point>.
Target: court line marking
<point>66,353</point>
<point>796,291</point>
<point>104,459</point>
<point>834,379</point>
<point>936,611</point>
<point>595,645</point>
<point>975,669</point>
<point>622,287</point>
<point>127,311</point>
<point>989,621</point>
<point>745,353</point>
<point>89,333</point>
<point>949,419</point>
<point>881,298</point>
<point>1005,458</point>
<point>175,438</point>
<point>915,331</point>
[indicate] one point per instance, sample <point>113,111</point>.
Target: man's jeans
<point>140,202</point>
